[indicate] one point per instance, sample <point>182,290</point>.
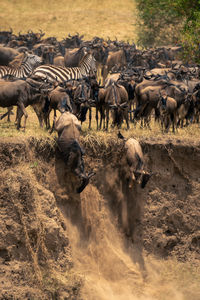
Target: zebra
<point>52,73</point>
<point>29,62</point>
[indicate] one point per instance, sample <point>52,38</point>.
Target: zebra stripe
<point>60,74</point>
<point>28,64</point>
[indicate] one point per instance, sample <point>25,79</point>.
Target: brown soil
<point>55,244</point>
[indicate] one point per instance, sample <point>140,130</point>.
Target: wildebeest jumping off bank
<point>68,128</point>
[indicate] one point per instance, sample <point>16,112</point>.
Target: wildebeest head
<point>115,104</point>
<point>65,105</point>
<point>81,100</point>
<point>48,54</point>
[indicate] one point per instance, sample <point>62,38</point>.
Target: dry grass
<point>58,18</point>
<point>98,138</point>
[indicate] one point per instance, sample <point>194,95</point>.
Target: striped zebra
<point>61,74</point>
<point>29,62</point>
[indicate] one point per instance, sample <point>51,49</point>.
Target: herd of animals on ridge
<point>63,75</point>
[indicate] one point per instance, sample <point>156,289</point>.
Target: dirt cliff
<point>55,244</point>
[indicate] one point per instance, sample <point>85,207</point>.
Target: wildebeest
<point>82,101</point>
<point>116,100</point>
<point>146,102</point>
<point>134,163</point>
<point>58,99</point>
<point>73,57</point>
<point>18,93</point>
<point>48,54</point>
<point>7,55</point>
<point>118,58</point>
<point>168,112</point>
<point>68,128</point>
<point>59,61</point>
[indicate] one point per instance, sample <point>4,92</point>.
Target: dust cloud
<point>110,266</point>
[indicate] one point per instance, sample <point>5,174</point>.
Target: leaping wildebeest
<point>68,128</point>
<point>134,163</point>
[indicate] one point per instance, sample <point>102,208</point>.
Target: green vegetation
<point>170,21</point>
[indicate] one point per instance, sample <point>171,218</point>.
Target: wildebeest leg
<point>90,117</point>
<point>97,118</point>
<point>21,106</point>
<point>141,123</point>
<point>126,118</point>
<point>107,118</point>
<point>18,118</point>
<point>39,115</point>
<point>173,122</point>
<point>47,118</point>
<point>147,122</point>
<point>147,118</point>
<point>167,123</point>
<point>49,125</point>
<point>7,114</point>
<point>130,109</point>
<point>103,118</point>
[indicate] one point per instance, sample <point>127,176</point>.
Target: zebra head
<point>88,65</point>
<point>32,60</point>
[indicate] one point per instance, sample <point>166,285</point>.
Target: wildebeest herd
<point>113,77</point>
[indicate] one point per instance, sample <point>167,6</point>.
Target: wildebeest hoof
<point>83,185</point>
<point>145,179</point>
<point>85,182</point>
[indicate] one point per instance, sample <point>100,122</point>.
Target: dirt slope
<point>107,243</point>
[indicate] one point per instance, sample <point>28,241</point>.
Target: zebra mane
<point>85,58</point>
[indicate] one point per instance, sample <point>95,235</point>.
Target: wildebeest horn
<point>92,102</point>
<point>114,106</point>
<point>124,105</point>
